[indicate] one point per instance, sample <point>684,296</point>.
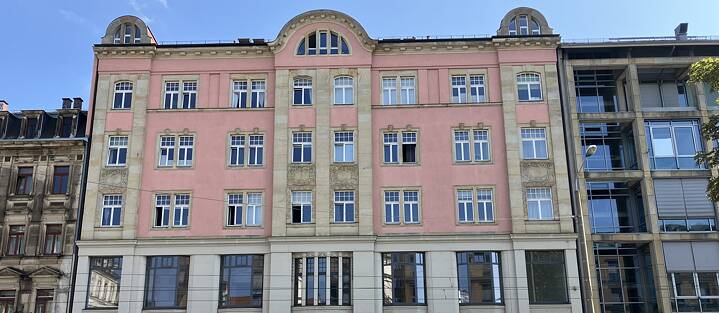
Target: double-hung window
<point>185,151</point>
<point>400,147</point>
<point>673,144</point>
<point>240,93</point>
<point>16,240</point>
<point>166,282</point>
<point>546,277</point>
<point>301,147</point>
<point>471,145</point>
<point>322,279</point>
<point>403,279</point>
<point>406,86</point>
<point>241,281</point>
<point>479,277</point>
<point>344,205</point>
<point>244,208</point>
<point>480,198</point>
<point>123,96</point>
<point>180,148</point>
<point>302,94</point>
<point>175,205</point>
<point>111,210</point>
<point>529,87</point>
<point>344,90</point>
<point>344,147</point>
<point>117,151</point>
<point>401,207</point>
<point>246,150</point>
<point>301,207</point>
<point>459,89</point>
<point>53,239</point>
<point>474,83</point>
<point>103,287</point>
<point>180,95</point>
<point>539,203</point>
<point>534,143</point>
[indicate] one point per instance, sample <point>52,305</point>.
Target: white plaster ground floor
<point>439,253</point>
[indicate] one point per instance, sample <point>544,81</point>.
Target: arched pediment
<point>532,14</point>
<point>119,24</point>
<point>318,16</point>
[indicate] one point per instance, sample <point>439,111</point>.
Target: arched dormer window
<point>323,42</point>
<point>527,25</point>
<point>127,33</point>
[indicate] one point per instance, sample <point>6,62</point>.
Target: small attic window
<point>127,33</point>
<point>323,42</point>
<point>523,25</point>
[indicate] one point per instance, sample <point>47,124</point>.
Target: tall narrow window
<point>407,90</point>
<point>16,240</point>
<point>523,25</point>
<point>302,147</point>
<point>258,94</point>
<point>127,38</point>
<point>241,281</point>
<point>172,95</point>
<point>123,95</point>
<point>391,152</point>
<point>529,87</point>
<point>411,207</point>
<point>103,287</point>
<point>344,203</point>
<point>24,182</point>
<point>166,282</point>
<point>485,206</point>
<point>391,207</point>
<point>254,209</point>
<point>138,35</point>
<point>66,126</point>
<point>344,147</point>
<point>344,90</point>
<point>389,91</point>
<point>465,206</point>
<point>459,89</point>
<point>257,153</point>
<point>53,239</point>
<point>239,94</point>
<point>162,210</point>
<point>479,276</point>
<point>476,88</point>
<point>189,95</point>
<point>167,151</point>
<point>302,91</point>
<point>235,209</point>
<point>534,26</point>
<point>481,145</point>
<point>539,204</point>
<point>111,210</point>
<point>403,278</point>
<point>546,277</point>
<point>32,125</point>
<point>409,147</point>
<point>117,151</point>
<point>60,179</point>
<point>185,151</point>
<point>43,300</point>
<point>513,27</point>
<point>323,280</point>
<point>237,150</point>
<point>534,143</point>
<point>301,207</point>
<point>461,146</point>
<point>181,210</point>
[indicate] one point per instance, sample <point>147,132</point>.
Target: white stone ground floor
<point>440,255</point>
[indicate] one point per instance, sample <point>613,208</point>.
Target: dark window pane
<point>241,281</point>
<point>546,277</point>
<point>166,282</point>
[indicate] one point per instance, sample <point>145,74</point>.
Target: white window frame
<point>235,205</point>
<point>533,195</point>
<point>124,90</point>
<point>239,93</point>
<point>401,140</point>
<point>189,94</point>
<point>465,143</point>
<point>387,141</point>
<point>299,142</point>
<point>485,205</point>
<point>459,85</point>
<point>256,149</point>
<point>178,90</point>
<point>237,142</point>
<point>180,206</point>
<point>185,150</point>
<point>303,84</point>
<point>167,149</point>
<point>527,80</point>
<point>113,202</point>
<point>172,88</point>
<point>343,90</point>
<point>118,144</point>
<point>303,198</point>
<point>403,202</point>
<point>389,91</point>
<point>166,210</point>
<point>532,136</point>
<point>523,30</point>
<point>253,214</point>
<point>344,140</point>
<point>259,93</point>
<point>478,144</point>
<point>407,91</point>
<point>396,205</point>
<point>477,84</point>
<point>407,202</point>
<point>344,198</point>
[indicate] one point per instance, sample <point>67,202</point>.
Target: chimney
<point>4,106</point>
<point>77,103</point>
<point>66,103</point>
<point>681,31</point>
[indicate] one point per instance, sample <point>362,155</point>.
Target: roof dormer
<point>127,30</point>
<point>524,21</point>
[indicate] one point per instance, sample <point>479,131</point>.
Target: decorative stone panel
<point>301,175</point>
<point>537,172</point>
<point>113,180</point>
<point>344,176</point>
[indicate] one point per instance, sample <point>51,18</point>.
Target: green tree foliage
<point>707,71</point>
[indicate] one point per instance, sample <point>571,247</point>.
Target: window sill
<point>541,221</point>
<point>324,308</point>
<point>483,162</point>
<point>400,164</point>
<point>239,310</point>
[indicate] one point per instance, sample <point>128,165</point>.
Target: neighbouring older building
<point>648,235</point>
<point>327,170</point>
<point>41,164</point>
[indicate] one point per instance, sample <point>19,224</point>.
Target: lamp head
<point>591,150</point>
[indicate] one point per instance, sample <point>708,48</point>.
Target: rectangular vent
<point>79,157</point>
<point>19,205</point>
<point>7,159</point>
<point>57,203</point>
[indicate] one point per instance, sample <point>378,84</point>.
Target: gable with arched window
<point>523,25</point>
<point>127,30</point>
<point>524,21</point>
<point>323,42</point>
<point>529,86</point>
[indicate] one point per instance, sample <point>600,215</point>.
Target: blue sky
<point>46,45</point>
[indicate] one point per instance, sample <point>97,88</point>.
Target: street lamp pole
<point>590,151</point>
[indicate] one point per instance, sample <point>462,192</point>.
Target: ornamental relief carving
<point>344,176</point>
<point>113,180</point>
<point>540,172</point>
<point>301,175</point>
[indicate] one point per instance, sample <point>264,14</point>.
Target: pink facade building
<point>328,170</point>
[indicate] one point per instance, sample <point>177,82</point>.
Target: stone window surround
<point>15,173</point>
<point>313,217</point>
<point>180,79</point>
<point>49,181</point>
<point>100,207</point>
<point>343,129</point>
<point>106,147</point>
<point>547,135</point>
<point>467,73</point>
<point>114,84</point>
<point>244,193</point>
<point>391,129</point>
<point>247,77</point>
<point>353,77</point>
<point>6,238</point>
<point>471,129</point>
<point>401,191</point>
<point>177,135</point>
<point>238,131</point>
<point>332,204</point>
<point>301,129</point>
<point>542,94</point>
<point>398,75</point>
<point>474,203</point>
<point>170,226</point>
<point>43,237</point>
<point>555,204</point>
